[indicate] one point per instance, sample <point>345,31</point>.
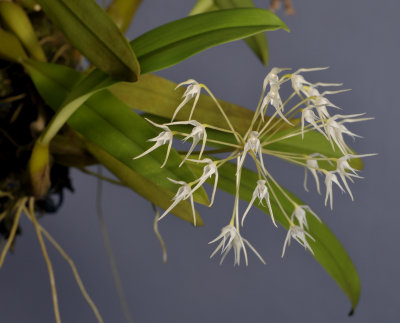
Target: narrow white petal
<point>203,144</point>
<point>225,253</point>
<point>168,151</point>
<point>314,173</point>
<point>170,208</point>
<point>214,189</point>
<point>194,143</point>
<point>301,70</point>
<point>157,125</point>
<point>270,211</point>
<point>347,186</point>
<point>305,179</point>
<point>255,251</point>
<point>249,206</point>
<point>216,249</point>
<point>185,100</point>
<point>194,212</point>
<point>287,242</point>
<point>194,105</point>
<point>154,147</point>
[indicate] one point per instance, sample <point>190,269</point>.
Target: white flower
<point>253,144</point>
<point>329,179</point>
<point>299,235</point>
<point>272,77</point>
<point>164,137</point>
<point>343,166</point>
<point>298,81</point>
<point>299,213</point>
<point>198,133</point>
<point>192,91</point>
<point>183,193</point>
<point>231,238</point>
<point>209,170</point>
<point>275,100</point>
<point>261,191</point>
<point>321,103</point>
<point>312,166</point>
<point>335,129</point>
<point>307,114</point>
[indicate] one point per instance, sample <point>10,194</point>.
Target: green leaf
<point>17,21</point>
<point>123,11</point>
<point>119,131</point>
<point>92,31</point>
<point>81,91</point>
<point>11,49</point>
<point>171,43</point>
<point>258,43</point>
<point>328,251</point>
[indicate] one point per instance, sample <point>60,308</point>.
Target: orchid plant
<point>87,116</point>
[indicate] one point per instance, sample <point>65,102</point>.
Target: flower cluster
<point>311,113</point>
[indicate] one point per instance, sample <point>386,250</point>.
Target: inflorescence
<point>310,113</point>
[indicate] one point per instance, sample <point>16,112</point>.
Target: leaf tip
<point>286,28</point>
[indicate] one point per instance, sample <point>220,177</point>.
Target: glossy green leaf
<point>118,131</point>
<point>258,43</point>
<point>86,87</point>
<point>123,11</point>
<point>88,27</point>
<point>171,43</point>
<point>328,251</point>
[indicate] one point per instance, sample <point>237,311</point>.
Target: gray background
<point>359,41</point>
